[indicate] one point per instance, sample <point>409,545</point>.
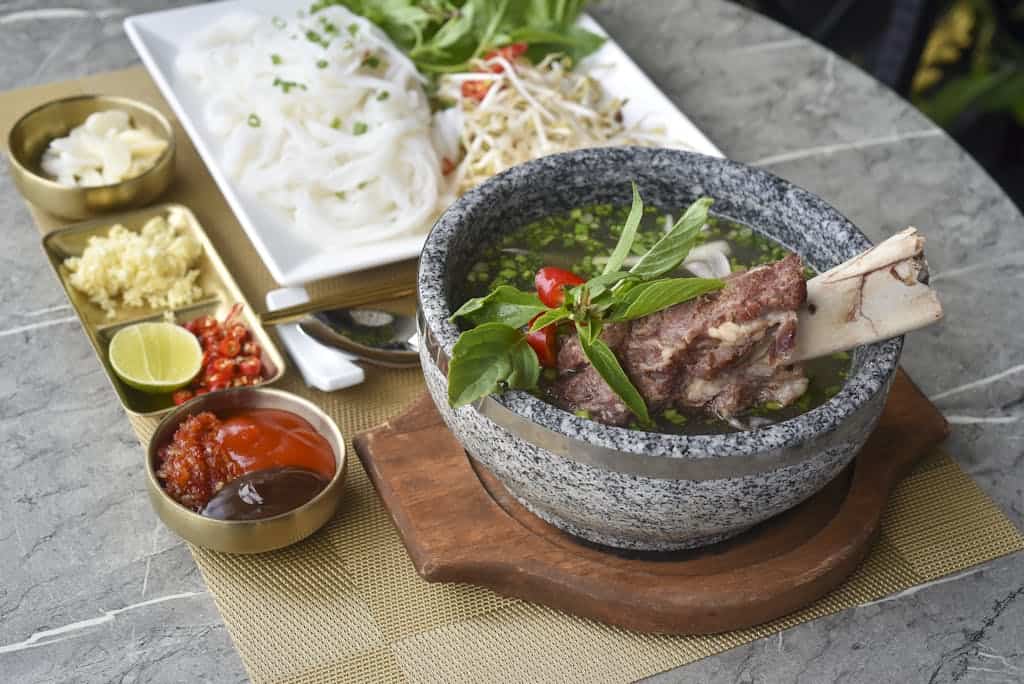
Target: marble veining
<point>68,553</point>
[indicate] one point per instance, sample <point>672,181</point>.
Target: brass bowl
<point>32,133</point>
<point>247,536</point>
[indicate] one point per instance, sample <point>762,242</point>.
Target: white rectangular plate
<point>159,36</point>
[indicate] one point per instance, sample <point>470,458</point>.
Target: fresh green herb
<point>275,59</point>
<point>278,22</point>
<point>773,405</point>
<point>287,86</point>
<point>383,95</point>
<point>372,61</point>
<point>613,296</point>
<point>314,37</point>
<point>359,128</point>
<point>607,366</point>
<point>253,120</point>
<point>651,297</point>
<point>549,317</point>
<point>340,194</point>
<point>674,417</point>
<point>328,26</point>
<point>352,29</point>
<point>582,413</point>
<point>446,35</point>
<point>671,250</point>
<point>505,305</point>
<point>321,64</point>
<point>487,359</point>
<point>336,123</point>
<point>628,234</point>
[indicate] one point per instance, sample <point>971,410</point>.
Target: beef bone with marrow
<point>727,351</point>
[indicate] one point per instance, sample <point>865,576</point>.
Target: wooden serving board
<point>460,525</point>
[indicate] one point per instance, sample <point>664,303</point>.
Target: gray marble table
<point>93,588</point>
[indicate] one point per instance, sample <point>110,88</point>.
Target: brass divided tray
<point>220,293</point>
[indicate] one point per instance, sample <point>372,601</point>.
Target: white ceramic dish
<point>159,36</point>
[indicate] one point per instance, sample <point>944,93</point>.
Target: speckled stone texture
<point>609,497</point>
<point>77,536</point>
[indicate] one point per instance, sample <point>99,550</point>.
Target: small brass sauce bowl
<point>32,133</point>
<point>247,536</point>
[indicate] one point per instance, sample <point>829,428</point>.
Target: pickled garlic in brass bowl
<point>32,133</point>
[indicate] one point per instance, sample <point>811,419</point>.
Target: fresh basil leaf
<point>491,27</point>
<point>455,29</point>
<point>444,35</point>
<point>487,359</point>
<point>588,329</point>
<point>625,242</point>
<point>602,358</point>
<point>548,317</point>
<point>573,41</point>
<point>670,251</point>
<point>648,298</point>
<point>599,284</point>
<point>525,366</point>
<point>505,305</point>
<point>481,360</point>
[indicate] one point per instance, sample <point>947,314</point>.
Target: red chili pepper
<point>545,344</point>
<point>252,349</point>
<point>181,396</point>
<point>204,323</point>
<point>224,366</point>
<point>475,90</point>
<point>218,381</point>
<point>551,283</point>
<point>447,166</point>
<point>238,332</point>
<point>229,347</point>
<point>249,366</point>
<point>511,52</point>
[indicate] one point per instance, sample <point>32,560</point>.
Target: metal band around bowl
<point>647,465</point>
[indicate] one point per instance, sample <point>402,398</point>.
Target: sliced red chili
<point>475,90</point>
<point>249,366</point>
<point>229,347</point>
<point>511,52</point>
<point>551,283</point>
<point>545,344</point>
<point>181,396</point>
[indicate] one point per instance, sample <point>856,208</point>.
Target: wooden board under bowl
<point>459,524</point>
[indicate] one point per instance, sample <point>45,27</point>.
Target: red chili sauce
<point>207,452</point>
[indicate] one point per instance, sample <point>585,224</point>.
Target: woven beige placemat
<point>346,605</point>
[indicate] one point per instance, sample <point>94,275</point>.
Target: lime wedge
<point>155,357</point>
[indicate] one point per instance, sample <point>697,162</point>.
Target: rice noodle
<point>334,130</point>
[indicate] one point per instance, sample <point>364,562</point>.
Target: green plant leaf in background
<point>970,63</point>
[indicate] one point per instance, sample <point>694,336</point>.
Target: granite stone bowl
<point>626,488</point>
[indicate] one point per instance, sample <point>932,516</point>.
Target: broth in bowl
<point>708,355</point>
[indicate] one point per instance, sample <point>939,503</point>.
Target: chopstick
<point>341,300</point>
